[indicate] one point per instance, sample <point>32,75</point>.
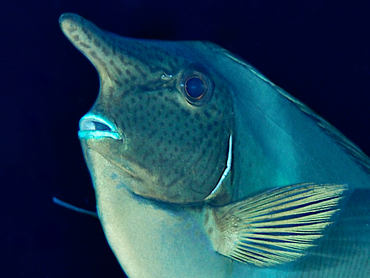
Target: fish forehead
<point>175,151</point>
<point>125,63</point>
<point>123,60</point>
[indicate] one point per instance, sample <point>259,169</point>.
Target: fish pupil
<point>194,87</point>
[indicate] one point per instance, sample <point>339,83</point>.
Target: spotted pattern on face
<point>177,143</point>
<point>177,150</point>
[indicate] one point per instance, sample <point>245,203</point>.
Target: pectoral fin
<point>274,227</point>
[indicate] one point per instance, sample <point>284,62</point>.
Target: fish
<point>202,167</point>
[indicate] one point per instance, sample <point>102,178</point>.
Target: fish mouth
<point>95,127</point>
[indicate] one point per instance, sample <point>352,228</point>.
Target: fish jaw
<point>152,239</point>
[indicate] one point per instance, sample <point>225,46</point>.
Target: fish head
<point>162,119</point>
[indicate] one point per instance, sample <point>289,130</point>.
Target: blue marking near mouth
<point>96,134</point>
<point>95,127</point>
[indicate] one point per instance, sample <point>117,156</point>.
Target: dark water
<point>319,52</point>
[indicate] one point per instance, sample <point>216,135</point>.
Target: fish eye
<point>196,87</point>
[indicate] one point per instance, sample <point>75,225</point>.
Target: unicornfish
<point>202,167</point>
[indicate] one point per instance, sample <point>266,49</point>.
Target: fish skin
<point>278,141</point>
<point>147,237</point>
<point>134,95</point>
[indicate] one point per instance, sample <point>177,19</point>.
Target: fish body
<point>202,167</point>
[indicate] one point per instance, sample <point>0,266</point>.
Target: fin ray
<point>277,226</point>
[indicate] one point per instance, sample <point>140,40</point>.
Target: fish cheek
<point>165,146</point>
<point>180,150</point>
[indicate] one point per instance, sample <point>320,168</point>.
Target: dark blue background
<point>319,51</point>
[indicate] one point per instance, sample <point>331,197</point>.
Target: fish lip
<point>96,126</point>
<point>96,134</point>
